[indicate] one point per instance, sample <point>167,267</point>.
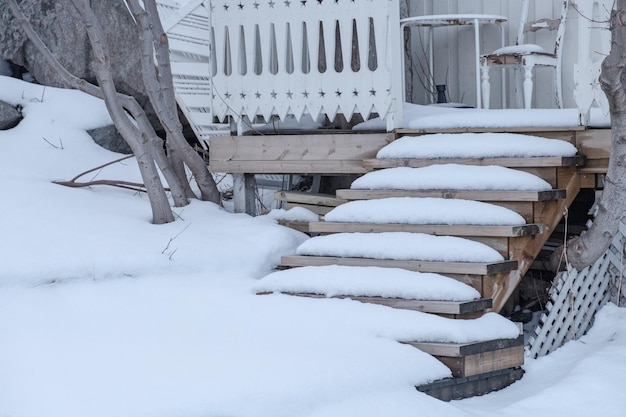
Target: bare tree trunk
<point>147,147</point>
<point>160,88</point>
<point>585,250</point>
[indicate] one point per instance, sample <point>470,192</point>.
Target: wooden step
<point>478,195</point>
<point>450,389</point>
<point>317,203</point>
<point>469,359</point>
<point>534,162</point>
<point>431,229</point>
<point>452,309</point>
<point>507,240</point>
<point>465,268</point>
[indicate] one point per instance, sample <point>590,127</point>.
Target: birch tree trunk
<point>129,116</point>
<point>584,250</point>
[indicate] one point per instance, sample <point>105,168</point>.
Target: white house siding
<point>454,48</point>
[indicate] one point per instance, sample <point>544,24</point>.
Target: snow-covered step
<point>507,240</point>
<point>477,195</point>
<point>471,359</point>
<point>396,288</point>
<point>327,227</point>
<point>532,162</point>
<point>444,267</point>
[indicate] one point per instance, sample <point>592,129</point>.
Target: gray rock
<point>60,27</point>
<point>109,138</point>
<point>9,116</point>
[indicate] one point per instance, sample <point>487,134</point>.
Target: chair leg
<point>559,88</point>
<point>485,86</point>
<point>528,87</point>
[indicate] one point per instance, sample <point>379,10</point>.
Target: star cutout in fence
<point>322,93</point>
<point>226,6</point>
<point>372,92</point>
<point>338,93</point>
<point>257,95</point>
<point>305,94</point>
<point>256,4</point>
<point>273,94</point>
<point>227,94</point>
<point>303,2</point>
<point>271,3</point>
<point>355,93</point>
<point>240,6</point>
<point>287,3</point>
<point>289,94</point>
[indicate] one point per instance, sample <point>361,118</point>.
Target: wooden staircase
<point>477,367</point>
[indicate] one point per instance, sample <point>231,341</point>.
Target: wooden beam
<point>521,162</point>
<point>472,268</point>
<point>455,308</point>
<point>461,194</point>
<point>432,229</point>
<point>308,198</point>
<point>549,213</point>
<point>482,363</point>
<point>457,350</point>
<point>313,154</point>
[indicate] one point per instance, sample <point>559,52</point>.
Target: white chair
<point>528,56</point>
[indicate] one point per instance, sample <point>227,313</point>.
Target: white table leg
<point>477,62</point>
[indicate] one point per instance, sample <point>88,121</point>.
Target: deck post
<point>244,193</point>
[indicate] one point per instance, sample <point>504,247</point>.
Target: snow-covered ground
<point>105,314</point>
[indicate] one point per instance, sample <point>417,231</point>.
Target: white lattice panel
<point>577,296</point>
<point>281,57</point>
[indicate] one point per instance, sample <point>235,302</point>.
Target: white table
<point>447,20</point>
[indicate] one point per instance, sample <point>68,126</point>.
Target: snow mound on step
<point>406,210</point>
<point>451,177</point>
<point>335,280</point>
<point>476,145</point>
<point>399,246</point>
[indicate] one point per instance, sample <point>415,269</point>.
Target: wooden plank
<point>539,162</point>
<point>457,350</point>
<point>309,198</point>
<point>296,225</point>
<point>481,363</point>
<point>594,143</point>
<point>549,213</point>
<point>461,194</point>
<point>432,229</point>
<point>425,306</point>
<point>320,167</point>
<point>276,148</point>
<point>474,268</point>
<point>321,210</point>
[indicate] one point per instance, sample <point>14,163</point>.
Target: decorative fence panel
<point>291,57</point>
<point>576,296</point>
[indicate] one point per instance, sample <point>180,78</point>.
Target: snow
<point>399,246</point>
<point>451,176</point>
<point>104,314</point>
<point>336,280</point>
<point>406,210</point>
<point>526,48</point>
<point>293,214</point>
<point>417,116</point>
<point>475,145</point>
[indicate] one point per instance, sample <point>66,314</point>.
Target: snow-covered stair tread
<point>399,246</point>
<point>406,210</point>
<point>451,177</point>
<point>335,280</point>
<point>476,146</point>
<point>412,251</point>
<point>391,287</point>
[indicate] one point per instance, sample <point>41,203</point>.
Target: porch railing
<point>292,57</point>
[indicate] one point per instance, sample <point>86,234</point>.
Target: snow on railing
<point>291,57</point>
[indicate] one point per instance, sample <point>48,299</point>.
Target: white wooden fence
<point>291,57</point>
<point>576,296</point>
